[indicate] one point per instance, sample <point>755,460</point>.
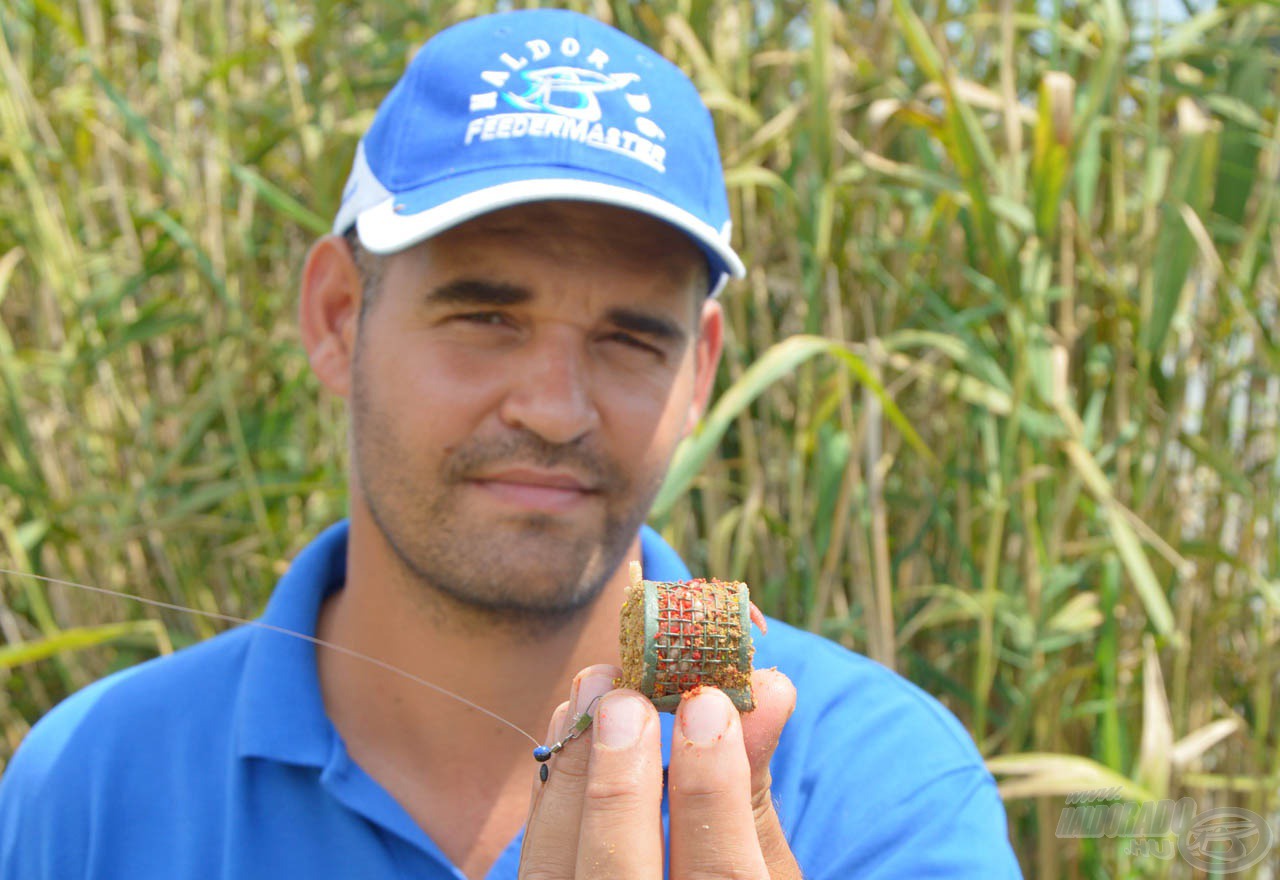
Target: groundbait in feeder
<point>676,636</point>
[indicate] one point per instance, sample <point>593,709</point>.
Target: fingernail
<point>620,720</point>
<point>590,686</point>
<point>704,717</point>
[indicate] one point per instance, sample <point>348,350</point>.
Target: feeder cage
<point>678,636</point>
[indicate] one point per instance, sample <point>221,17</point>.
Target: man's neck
<point>520,679</point>
<point>461,775</point>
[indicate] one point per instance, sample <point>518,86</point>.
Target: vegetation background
<point>1001,401</point>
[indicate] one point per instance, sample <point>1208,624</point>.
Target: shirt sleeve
<point>875,779</point>
<point>953,827</point>
<point>41,827</point>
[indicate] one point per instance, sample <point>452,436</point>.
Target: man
<point>518,302</point>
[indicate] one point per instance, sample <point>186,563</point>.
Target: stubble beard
<point>531,571</point>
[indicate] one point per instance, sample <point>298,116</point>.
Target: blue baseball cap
<point>532,106</point>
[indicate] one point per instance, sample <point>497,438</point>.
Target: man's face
<point>520,384</point>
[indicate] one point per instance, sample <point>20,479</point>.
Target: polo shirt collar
<point>280,712</point>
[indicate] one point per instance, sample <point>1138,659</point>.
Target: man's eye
<point>493,319</point>
<point>634,342</point>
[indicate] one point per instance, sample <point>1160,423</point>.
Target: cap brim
<point>398,222</point>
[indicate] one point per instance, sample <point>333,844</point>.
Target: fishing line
<point>230,618</point>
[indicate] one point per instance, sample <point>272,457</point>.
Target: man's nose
<point>550,391</point>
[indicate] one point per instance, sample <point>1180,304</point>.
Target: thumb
<point>775,698</point>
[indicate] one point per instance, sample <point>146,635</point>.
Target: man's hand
<point>599,813</point>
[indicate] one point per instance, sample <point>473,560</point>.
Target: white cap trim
<point>383,230</point>
<point>362,191</point>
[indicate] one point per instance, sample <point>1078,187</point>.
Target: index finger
<point>622,803</point>
<point>551,835</point>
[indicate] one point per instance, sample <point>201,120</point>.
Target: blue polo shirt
<point>220,762</point>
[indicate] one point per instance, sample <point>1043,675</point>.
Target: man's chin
<point>518,565</point>
<point>538,583</point>
<point>527,568</point>
<point>522,599</point>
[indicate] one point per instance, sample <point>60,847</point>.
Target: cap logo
<point>576,85</point>
<point>553,98</point>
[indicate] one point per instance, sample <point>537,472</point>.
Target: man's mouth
<point>535,489</point>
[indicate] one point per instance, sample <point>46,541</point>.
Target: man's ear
<point>706,354</point>
<point>329,310</point>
